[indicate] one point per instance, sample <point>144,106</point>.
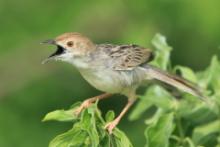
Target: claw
<point>78,111</point>
<point>89,101</point>
<point>111,125</point>
<point>83,106</point>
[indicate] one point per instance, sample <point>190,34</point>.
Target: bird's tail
<point>173,80</point>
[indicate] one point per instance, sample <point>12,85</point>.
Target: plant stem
<point>180,130</point>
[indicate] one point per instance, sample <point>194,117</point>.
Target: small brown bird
<point>113,69</point>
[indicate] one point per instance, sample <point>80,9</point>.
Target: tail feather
<point>175,81</point>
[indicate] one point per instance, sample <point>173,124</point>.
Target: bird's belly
<point>104,80</point>
<point>111,81</point>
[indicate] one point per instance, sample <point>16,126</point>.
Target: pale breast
<point>104,80</point>
<point>111,81</point>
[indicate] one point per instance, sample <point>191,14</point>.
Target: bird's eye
<point>70,43</point>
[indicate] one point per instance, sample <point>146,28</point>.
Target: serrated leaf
<point>158,134</point>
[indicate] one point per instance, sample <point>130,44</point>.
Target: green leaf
<point>160,97</point>
<point>189,142</point>
<point>200,134</point>
<point>162,51</point>
<point>155,95</point>
<point>88,123</point>
<point>73,137</point>
<point>210,77</point>
<point>110,115</point>
<point>154,119</point>
<point>60,115</point>
<point>196,112</point>
<point>186,72</point>
<point>120,139</point>
<point>142,105</point>
<point>158,133</point>
<point>75,105</point>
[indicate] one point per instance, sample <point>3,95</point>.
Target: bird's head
<point>70,46</point>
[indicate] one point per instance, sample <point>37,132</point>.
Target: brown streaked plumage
<point>113,68</point>
<point>128,57</point>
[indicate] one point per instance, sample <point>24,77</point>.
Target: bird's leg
<point>111,125</point>
<point>89,101</point>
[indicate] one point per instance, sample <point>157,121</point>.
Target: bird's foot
<point>111,125</point>
<point>83,106</point>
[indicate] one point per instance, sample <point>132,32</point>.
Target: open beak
<point>49,41</point>
<point>60,50</point>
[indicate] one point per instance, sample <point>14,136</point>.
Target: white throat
<point>78,62</point>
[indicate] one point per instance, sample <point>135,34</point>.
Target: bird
<point>113,69</point>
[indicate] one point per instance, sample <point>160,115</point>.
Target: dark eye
<point>70,43</point>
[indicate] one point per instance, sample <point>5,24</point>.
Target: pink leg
<point>111,125</point>
<point>89,101</point>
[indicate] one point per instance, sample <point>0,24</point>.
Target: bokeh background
<point>28,89</point>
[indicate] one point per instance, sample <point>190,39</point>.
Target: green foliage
<point>159,130</point>
<point>162,51</point>
<point>28,89</point>
<point>186,121</point>
<point>88,129</point>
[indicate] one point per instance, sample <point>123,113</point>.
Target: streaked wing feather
<point>127,57</point>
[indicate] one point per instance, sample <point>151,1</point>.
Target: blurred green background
<point>28,90</point>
